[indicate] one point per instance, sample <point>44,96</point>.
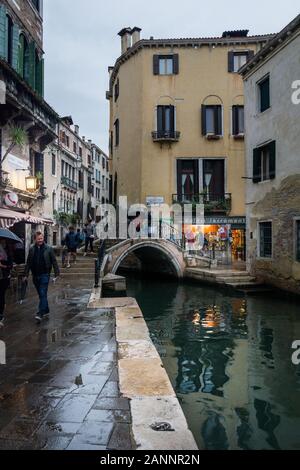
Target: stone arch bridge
<point>155,256</point>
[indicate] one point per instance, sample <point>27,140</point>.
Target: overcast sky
<point>80,42</point>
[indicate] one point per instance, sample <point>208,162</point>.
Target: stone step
<point>237,279</point>
<point>77,270</point>
<point>241,284</point>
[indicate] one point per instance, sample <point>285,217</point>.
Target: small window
<point>53,164</point>
<point>74,147</point>
<point>264,163</point>
<point>117,90</point>
<point>238,126</point>
<point>117,132</point>
<point>238,59</point>
<point>80,152</point>
<point>264,94</point>
<point>165,121</point>
<point>265,240</point>
<point>298,240</point>
<point>166,64</point>
<point>67,141</point>
<point>212,120</point>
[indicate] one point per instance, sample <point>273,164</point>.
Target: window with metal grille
<point>264,94</point>
<point>265,240</point>
<point>298,240</point>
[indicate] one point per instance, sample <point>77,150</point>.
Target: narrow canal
<point>229,359</point>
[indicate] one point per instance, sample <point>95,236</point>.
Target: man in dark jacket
<point>41,259</point>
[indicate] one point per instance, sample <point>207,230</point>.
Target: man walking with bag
<point>41,260</point>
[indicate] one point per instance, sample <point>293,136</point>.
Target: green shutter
<point>272,161</point>
<point>3,33</point>
<point>15,48</point>
<point>218,120</point>
<point>176,64</point>
<point>42,64</point>
<point>264,94</point>
<point>39,75</point>
<point>230,61</point>
<point>32,65</point>
<point>256,165</point>
<point>203,119</point>
<point>156,64</point>
<point>21,56</point>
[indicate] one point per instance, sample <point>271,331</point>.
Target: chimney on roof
<point>83,138</point>
<point>136,35</point>
<point>125,34</point>
<point>76,129</point>
<point>239,33</point>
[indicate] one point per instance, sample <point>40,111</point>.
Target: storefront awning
<point>8,218</point>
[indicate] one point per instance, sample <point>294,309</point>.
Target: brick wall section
<point>281,206</point>
<point>29,20</point>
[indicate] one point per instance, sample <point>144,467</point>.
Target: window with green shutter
<point>3,32</point>
<point>24,58</point>
<point>264,94</point>
<point>39,65</point>
<point>15,47</point>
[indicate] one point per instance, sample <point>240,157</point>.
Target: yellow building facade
<point>177,122</point>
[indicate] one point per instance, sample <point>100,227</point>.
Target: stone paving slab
<point>147,411</point>
<point>144,377</point>
<point>60,387</point>
<point>144,380</point>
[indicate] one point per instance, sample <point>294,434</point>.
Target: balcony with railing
<point>213,203</point>
<point>68,183</point>
<point>165,136</point>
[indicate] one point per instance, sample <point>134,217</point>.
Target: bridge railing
<point>99,263</point>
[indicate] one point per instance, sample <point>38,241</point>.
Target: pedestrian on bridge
<point>41,260</point>
<point>72,242</point>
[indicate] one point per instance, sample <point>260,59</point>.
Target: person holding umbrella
<point>6,265</point>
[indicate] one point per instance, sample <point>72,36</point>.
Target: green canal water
<point>229,358</point>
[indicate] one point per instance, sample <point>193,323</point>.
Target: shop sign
<point>155,200</point>
<point>225,220</point>
<point>11,200</point>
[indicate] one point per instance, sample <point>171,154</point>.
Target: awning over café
<point>8,218</point>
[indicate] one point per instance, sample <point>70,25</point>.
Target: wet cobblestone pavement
<point>41,407</point>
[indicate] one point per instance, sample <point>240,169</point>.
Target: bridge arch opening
<point>147,259</point>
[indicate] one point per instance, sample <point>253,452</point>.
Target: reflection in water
<point>229,360</point>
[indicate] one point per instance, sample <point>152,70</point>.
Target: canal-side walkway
<point>60,388</point>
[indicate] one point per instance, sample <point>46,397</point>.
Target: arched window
<point>10,32</point>
<point>24,57</point>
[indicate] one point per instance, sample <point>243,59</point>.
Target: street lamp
<point>208,177</point>
<point>31,183</point>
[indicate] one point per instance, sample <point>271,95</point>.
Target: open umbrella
<point>8,235</point>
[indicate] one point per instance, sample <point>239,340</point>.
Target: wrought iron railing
<point>69,183</point>
<point>213,203</point>
<point>159,136</point>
